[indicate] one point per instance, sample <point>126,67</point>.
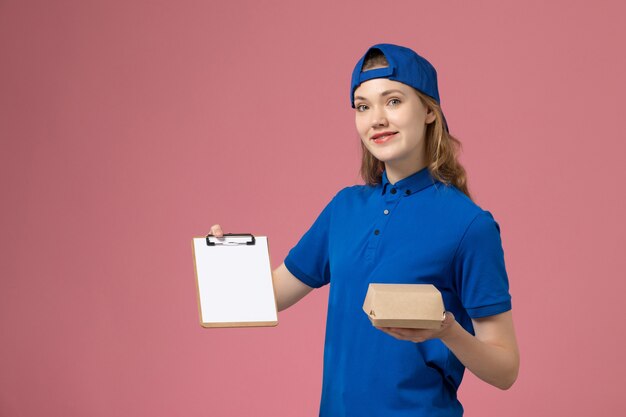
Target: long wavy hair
<point>442,149</point>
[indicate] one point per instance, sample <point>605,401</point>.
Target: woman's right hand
<point>216,230</point>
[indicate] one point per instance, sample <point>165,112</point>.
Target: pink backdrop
<point>127,127</point>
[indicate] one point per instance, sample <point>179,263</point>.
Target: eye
<point>394,101</point>
<point>361,107</point>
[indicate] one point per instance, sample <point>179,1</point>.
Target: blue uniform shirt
<point>415,231</point>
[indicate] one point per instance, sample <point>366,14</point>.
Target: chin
<point>383,157</point>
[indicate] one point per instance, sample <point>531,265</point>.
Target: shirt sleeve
<point>309,260</point>
<point>480,273</point>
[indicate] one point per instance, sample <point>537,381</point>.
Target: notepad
<point>234,281</point>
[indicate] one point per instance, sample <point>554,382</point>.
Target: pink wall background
<point>127,127</point>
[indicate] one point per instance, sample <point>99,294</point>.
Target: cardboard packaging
<point>416,306</point>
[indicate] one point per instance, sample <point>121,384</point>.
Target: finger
<point>400,331</point>
<point>448,319</point>
<point>216,230</point>
<point>385,330</point>
<point>390,331</point>
<point>414,335</point>
<point>449,316</point>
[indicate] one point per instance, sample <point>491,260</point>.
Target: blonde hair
<point>442,149</point>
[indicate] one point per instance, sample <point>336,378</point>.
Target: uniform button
<point>376,232</point>
<point>393,191</point>
<point>386,211</point>
<point>407,192</point>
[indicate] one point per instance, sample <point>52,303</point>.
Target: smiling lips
<point>382,137</point>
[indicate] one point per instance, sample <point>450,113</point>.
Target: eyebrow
<point>384,93</point>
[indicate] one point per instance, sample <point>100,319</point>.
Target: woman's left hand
<point>421,335</point>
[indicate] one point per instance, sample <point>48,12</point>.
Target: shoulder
<point>452,203</point>
<point>452,196</point>
<point>353,193</point>
<point>350,200</point>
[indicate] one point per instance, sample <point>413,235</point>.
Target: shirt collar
<point>411,184</point>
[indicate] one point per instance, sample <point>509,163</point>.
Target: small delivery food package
<point>416,306</point>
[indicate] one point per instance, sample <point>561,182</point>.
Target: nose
<point>379,118</point>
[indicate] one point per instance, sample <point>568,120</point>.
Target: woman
<point>412,222</point>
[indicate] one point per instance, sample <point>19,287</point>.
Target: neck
<point>398,171</point>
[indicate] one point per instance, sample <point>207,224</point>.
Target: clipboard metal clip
<point>231,239</point>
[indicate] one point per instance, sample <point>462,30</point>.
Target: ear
<point>430,116</point>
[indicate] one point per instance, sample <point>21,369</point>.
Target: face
<point>391,121</point>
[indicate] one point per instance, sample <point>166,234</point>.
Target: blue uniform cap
<point>405,66</point>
